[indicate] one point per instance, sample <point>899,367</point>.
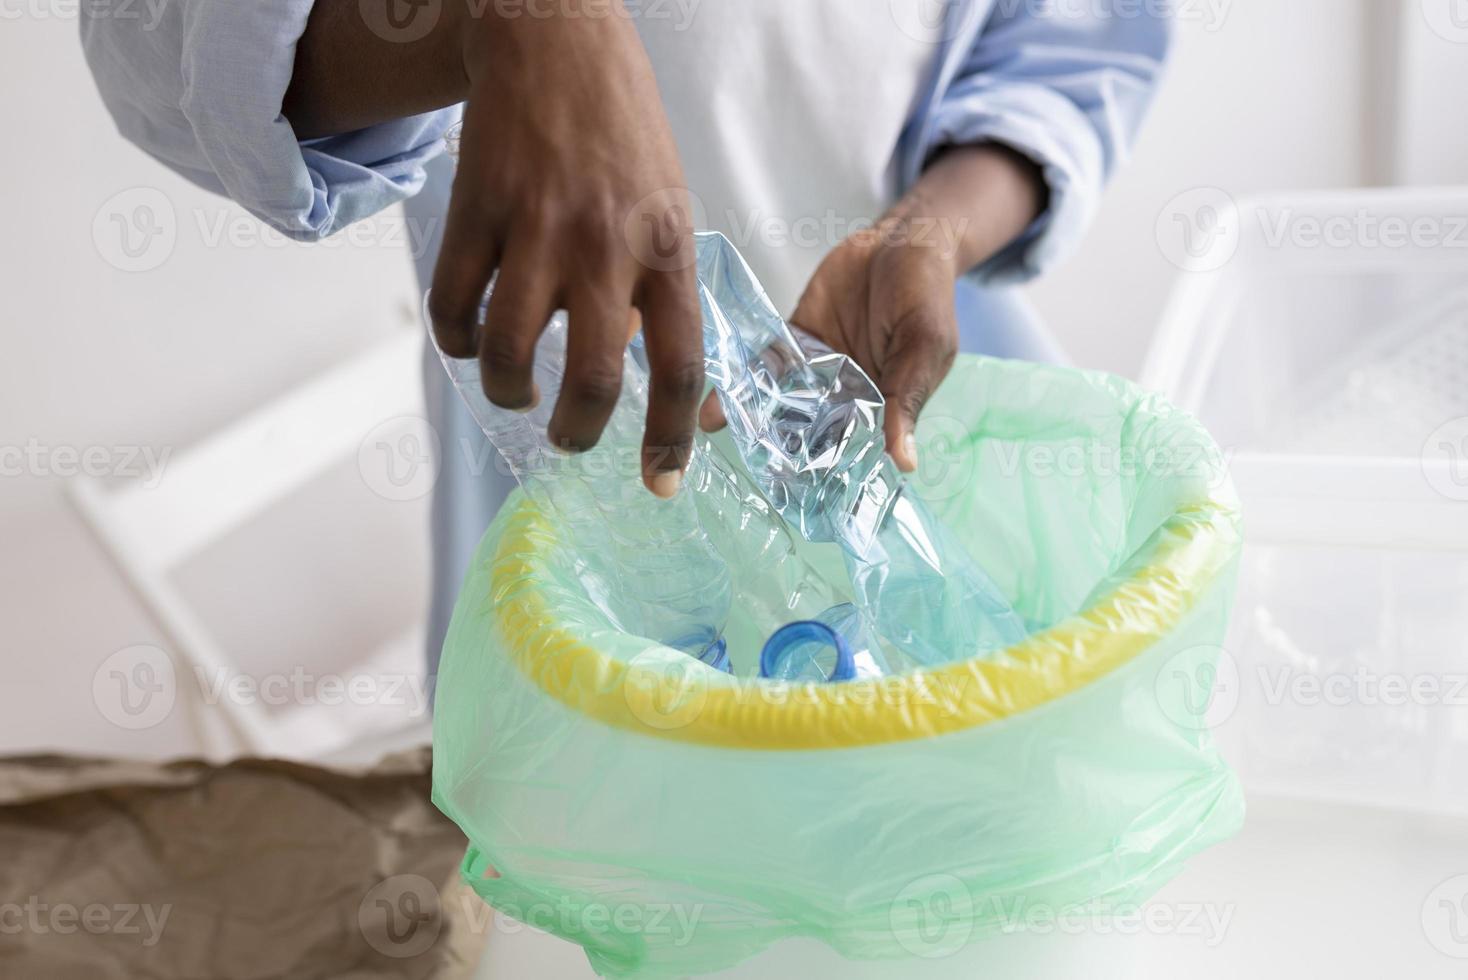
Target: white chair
<point>220,484</point>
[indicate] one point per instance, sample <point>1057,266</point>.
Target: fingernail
<point>666,484</point>
<point>909,449</point>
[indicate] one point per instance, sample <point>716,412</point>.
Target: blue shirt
<point>1063,82</point>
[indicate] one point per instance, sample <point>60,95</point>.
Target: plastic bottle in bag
<point>809,428</point>
<point>646,562</point>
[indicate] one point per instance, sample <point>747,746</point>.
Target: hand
<point>885,295</point>
<point>569,185</point>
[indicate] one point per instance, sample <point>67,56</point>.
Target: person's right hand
<point>569,185</point>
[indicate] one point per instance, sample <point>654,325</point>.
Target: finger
<point>673,333</point>
<point>919,355</point>
<point>595,351</point>
<point>466,262</point>
<point>523,302</point>
<point>711,414</point>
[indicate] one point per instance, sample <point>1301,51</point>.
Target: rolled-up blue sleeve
<point>199,85</point>
<point>1065,84</point>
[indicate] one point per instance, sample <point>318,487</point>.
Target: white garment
<point>787,115</point>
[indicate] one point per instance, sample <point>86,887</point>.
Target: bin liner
<point>674,820</point>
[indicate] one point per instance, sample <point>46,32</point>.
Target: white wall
<point>1271,98</point>
<point>1432,83</point>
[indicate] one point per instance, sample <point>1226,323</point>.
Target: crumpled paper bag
<point>256,869</point>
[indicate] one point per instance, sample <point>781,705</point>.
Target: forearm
<point>972,201</point>
<point>348,76</point>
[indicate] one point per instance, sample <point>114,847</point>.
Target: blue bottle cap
<point>801,641</point>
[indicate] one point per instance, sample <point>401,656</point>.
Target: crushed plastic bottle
<point>809,430</point>
<point>660,569</point>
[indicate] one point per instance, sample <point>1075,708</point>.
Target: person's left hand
<point>885,296</point>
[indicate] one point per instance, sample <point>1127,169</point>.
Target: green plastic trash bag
<point>674,820</point>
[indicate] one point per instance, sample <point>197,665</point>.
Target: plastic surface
<point>807,650</point>
<point>807,423</point>
<point>647,561</point>
<point>807,428</point>
<point>1335,376</point>
<point>675,820</point>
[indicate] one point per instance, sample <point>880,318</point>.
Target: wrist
<point>976,200</point>
<point>920,226</point>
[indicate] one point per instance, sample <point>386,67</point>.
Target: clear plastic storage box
<point>1324,342</point>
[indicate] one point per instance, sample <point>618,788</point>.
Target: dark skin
<point>569,185</point>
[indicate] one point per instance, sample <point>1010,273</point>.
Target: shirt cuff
<point>237,62</point>
<point>1053,132</point>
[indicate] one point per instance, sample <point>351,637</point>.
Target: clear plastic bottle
<point>646,562</point>
<point>774,585</point>
<point>835,646</point>
<point>809,429</point>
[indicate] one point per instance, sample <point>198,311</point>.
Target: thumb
<point>921,351</point>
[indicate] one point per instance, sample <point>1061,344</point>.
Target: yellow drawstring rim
<point>688,702</point>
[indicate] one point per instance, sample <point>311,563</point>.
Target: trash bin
<point>675,820</point>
